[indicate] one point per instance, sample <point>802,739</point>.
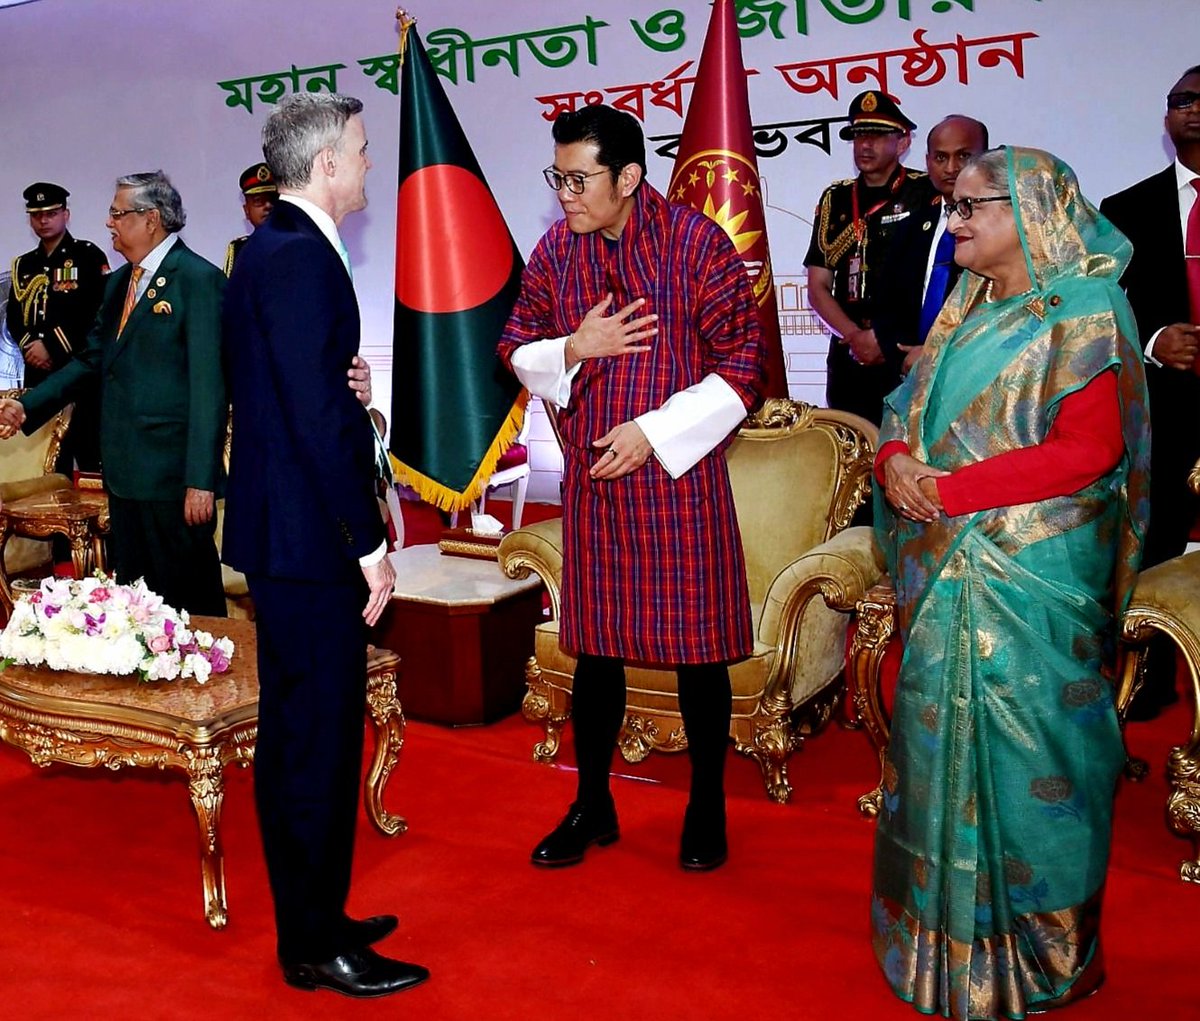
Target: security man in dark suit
<point>853,226</point>
<point>920,268</point>
<point>56,290</point>
<point>258,199</point>
<point>1161,216</point>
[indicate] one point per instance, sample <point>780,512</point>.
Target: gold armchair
<point>27,466</point>
<point>798,474</point>
<point>1166,600</point>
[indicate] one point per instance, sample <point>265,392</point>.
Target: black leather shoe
<point>364,932</point>
<point>703,847</point>
<point>360,973</point>
<point>582,827</point>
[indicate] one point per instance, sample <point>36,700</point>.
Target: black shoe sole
<point>560,863</point>
<point>311,986</point>
<point>696,865</point>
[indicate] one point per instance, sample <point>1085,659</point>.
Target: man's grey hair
<point>154,190</point>
<point>300,127</point>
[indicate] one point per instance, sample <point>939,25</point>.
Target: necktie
<point>939,280</point>
<point>1191,257</point>
<point>130,297</point>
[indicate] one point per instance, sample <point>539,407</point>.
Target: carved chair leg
<point>206,786</point>
<point>387,719</point>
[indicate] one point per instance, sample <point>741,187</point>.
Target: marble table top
<point>426,575</point>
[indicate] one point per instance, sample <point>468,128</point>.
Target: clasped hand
<point>601,335</point>
<point>12,417</point>
<point>910,487</point>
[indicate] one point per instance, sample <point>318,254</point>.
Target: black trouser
<point>150,539</point>
<point>598,709</point>
<point>312,676</point>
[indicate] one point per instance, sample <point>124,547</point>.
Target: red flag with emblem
<point>716,172</point>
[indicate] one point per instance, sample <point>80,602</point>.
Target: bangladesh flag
<point>455,408</point>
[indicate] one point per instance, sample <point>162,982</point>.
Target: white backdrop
<point>97,88</point>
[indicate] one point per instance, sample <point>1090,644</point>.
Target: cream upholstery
<point>798,475</point>
<point>27,467</point>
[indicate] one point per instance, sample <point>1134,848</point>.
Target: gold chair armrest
<point>839,570</point>
<point>536,548</point>
<point>10,491</point>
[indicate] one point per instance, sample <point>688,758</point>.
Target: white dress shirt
<point>1187,198</point>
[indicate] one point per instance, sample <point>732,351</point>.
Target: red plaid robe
<point>653,567</point>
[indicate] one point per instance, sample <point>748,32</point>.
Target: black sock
<point>706,704</point>
<point>597,712</point>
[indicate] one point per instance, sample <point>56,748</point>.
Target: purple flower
<point>94,624</point>
<point>218,659</point>
<point>51,610</point>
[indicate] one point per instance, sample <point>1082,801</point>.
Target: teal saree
<point>992,842</point>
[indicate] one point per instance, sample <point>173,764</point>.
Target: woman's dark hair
<point>616,134</point>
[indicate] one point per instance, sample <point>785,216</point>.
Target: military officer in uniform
<point>259,194</point>
<point>852,227</point>
<point>56,290</point>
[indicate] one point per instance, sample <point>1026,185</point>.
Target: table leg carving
<point>206,786</point>
<point>6,598</point>
<point>79,535</point>
<point>388,720</point>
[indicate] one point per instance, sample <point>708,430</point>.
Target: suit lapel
<point>160,288</point>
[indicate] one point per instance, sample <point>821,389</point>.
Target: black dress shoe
<point>356,973</point>
<point>703,847</point>
<point>364,932</point>
<point>582,827</point>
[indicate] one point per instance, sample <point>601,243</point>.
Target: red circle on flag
<point>454,251</point>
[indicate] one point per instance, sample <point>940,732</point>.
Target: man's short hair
<point>301,126</point>
<point>616,135</point>
<point>154,190</point>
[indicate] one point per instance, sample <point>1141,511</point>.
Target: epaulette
<point>231,251</point>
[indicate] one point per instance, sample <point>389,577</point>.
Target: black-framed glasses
<point>966,207</point>
<point>1182,100</point>
<point>575,181</point>
<point>116,214</point>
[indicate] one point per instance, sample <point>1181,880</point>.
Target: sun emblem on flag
<point>725,187</point>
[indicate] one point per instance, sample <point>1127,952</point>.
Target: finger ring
<point>613,451</point>
<point>904,506</point>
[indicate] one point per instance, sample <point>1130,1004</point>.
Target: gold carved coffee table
<point>101,720</point>
<point>79,514</point>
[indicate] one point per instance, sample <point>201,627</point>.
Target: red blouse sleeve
<point>889,449</point>
<point>1084,443</point>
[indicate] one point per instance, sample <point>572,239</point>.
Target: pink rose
<point>99,595</point>
<point>160,643</point>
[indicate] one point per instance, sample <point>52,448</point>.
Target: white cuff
<point>371,559</point>
<point>1149,352</point>
<point>540,365</point>
<point>692,423</point>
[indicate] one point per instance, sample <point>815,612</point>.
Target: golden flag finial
<point>406,22</point>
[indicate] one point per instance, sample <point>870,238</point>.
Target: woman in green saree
<point>1014,467</point>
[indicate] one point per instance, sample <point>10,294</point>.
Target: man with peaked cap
<point>56,290</point>
<point>852,227</point>
<point>259,193</point>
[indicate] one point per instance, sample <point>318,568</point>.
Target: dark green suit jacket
<point>163,406</point>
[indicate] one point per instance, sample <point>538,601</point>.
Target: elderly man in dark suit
<point>156,346</point>
<point>303,525</point>
<point>920,267</point>
<point>1161,216</point>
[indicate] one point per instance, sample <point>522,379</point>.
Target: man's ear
<point>905,145</point>
<point>628,179</point>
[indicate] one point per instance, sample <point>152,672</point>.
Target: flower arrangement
<point>94,625</point>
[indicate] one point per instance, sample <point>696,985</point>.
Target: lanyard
<point>860,222</point>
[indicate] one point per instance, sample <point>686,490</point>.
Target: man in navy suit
<point>1157,215</point>
<point>302,523</point>
<point>920,267</point>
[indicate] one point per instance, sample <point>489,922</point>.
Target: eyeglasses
<point>116,214</point>
<point>966,207</point>
<point>575,182</point>
<point>1182,100</point>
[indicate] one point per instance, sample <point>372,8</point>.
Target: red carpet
<point>100,895</point>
